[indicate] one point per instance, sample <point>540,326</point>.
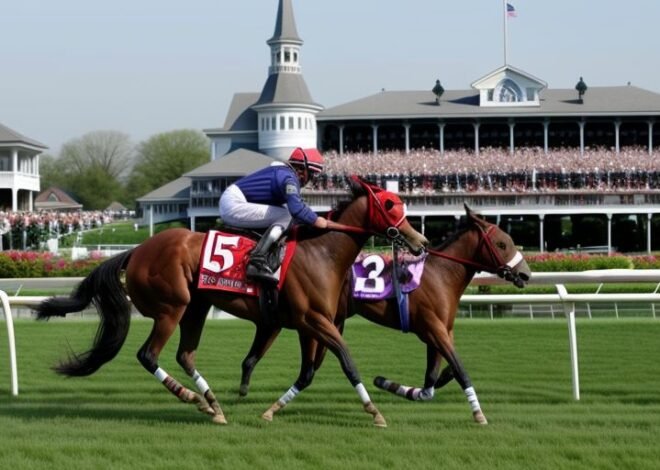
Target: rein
<point>484,238</point>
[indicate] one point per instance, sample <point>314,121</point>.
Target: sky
<point>144,67</point>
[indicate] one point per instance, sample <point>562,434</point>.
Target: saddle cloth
<point>223,260</point>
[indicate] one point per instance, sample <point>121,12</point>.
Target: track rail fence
<point>559,280</point>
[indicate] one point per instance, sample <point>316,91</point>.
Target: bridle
<point>503,269</point>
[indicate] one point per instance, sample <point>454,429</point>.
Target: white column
<point>36,163</point>
<point>151,220</point>
<point>476,137</point>
<point>617,128</point>
<point>581,124</point>
<point>650,137</point>
<point>546,126</point>
<point>541,237</point>
<point>512,125</point>
<point>30,201</point>
<point>406,127</point>
<point>14,199</point>
<point>648,234</point>
<point>374,137</point>
<point>14,160</point>
<point>609,233</point>
<point>341,140</point>
<point>441,128</point>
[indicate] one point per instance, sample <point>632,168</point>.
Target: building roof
<point>55,199</point>
<point>598,101</point>
<point>286,88</point>
<point>9,136</point>
<point>177,190</point>
<point>237,163</point>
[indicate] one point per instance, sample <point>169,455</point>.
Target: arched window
<point>507,91</point>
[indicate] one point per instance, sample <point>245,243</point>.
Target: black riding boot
<point>258,268</point>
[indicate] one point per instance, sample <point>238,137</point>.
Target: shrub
<point>15,264</point>
<point>560,262</point>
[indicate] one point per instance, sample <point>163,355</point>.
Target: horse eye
<point>389,204</point>
<point>501,245</point>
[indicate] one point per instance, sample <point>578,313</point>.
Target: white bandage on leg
<point>160,374</point>
<point>472,399</point>
<point>201,384</point>
<point>362,392</point>
<point>289,395</point>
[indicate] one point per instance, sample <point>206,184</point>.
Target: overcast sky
<point>149,66</point>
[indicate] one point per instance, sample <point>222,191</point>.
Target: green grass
<point>122,418</point>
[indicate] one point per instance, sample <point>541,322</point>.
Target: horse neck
<point>347,245</point>
<point>455,272</point>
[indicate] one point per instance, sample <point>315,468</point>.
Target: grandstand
<point>559,170</point>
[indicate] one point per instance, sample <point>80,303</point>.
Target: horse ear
<point>472,217</point>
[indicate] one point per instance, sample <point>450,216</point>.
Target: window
<point>299,122</point>
<point>273,123</point>
<point>287,56</point>
<point>291,125</point>
<point>507,91</point>
<point>282,123</point>
<point>295,56</point>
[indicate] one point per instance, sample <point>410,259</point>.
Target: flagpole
<point>506,32</point>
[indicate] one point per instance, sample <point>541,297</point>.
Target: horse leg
<point>263,339</point>
<point>308,347</point>
<point>164,326</point>
<point>324,331</point>
<point>426,393</point>
<point>191,326</point>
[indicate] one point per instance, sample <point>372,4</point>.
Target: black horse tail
<point>104,288</point>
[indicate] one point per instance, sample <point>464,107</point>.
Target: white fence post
<point>569,310</point>
<point>12,342</point>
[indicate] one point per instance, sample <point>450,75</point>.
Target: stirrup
<point>260,272</point>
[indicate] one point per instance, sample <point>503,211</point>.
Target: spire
<point>285,26</point>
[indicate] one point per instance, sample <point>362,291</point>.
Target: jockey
<point>271,198</point>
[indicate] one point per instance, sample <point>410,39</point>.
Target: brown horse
<point>480,246</point>
<point>161,280</point>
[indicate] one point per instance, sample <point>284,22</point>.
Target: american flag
<point>510,10</point>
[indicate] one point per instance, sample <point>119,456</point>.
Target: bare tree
<point>109,151</point>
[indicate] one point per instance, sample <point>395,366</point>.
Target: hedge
<point>15,264</point>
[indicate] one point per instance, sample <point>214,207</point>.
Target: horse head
<point>498,253</point>
<point>386,215</point>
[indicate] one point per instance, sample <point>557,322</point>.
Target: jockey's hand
<point>321,222</point>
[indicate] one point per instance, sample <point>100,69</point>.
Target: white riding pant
<point>237,211</point>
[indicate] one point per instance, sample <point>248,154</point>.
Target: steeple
<point>285,25</point>
<point>285,109</point>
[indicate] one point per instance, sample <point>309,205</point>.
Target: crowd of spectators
<point>24,228</point>
<point>424,171</point>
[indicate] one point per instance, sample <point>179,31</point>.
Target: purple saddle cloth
<point>372,275</point>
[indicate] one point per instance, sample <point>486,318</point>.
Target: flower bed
<point>14,264</point>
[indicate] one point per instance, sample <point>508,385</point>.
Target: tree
<point>92,168</point>
<point>165,157</point>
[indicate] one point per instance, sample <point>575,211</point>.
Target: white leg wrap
<point>424,394</point>
<point>202,385</point>
<point>289,395</point>
<point>472,399</point>
<point>364,396</point>
<point>160,374</point>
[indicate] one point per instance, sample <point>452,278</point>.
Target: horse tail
<point>104,288</point>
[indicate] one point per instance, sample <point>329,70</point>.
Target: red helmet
<point>311,159</point>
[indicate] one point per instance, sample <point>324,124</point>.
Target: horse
<point>449,268</point>
<point>160,278</point>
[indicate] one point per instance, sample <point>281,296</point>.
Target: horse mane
<point>355,190</point>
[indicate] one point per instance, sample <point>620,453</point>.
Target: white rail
<point>562,297</point>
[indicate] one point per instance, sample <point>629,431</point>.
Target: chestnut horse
<point>479,246</point>
<point>161,280</point>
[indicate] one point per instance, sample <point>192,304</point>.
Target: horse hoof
<point>480,418</point>
<point>380,422</point>
<point>219,419</point>
<point>268,416</point>
<point>243,390</point>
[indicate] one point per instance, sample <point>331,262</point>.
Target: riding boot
<point>258,268</point>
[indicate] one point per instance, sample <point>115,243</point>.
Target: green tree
<point>92,168</point>
<point>165,157</point>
